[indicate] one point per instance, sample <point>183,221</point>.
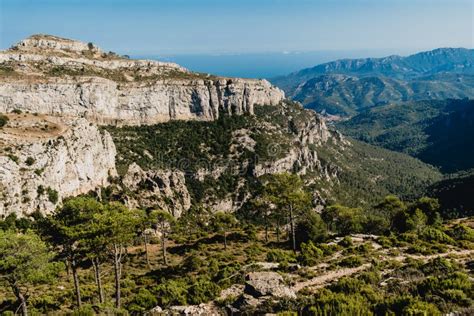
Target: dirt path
<point>330,276</point>
<point>323,280</point>
<point>429,257</point>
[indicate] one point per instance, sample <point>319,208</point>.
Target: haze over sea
<point>263,65</point>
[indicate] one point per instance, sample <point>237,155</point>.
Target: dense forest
<point>437,132</point>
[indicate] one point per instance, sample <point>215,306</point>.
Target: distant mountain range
<point>346,86</point>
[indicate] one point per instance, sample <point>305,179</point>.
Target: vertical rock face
<point>49,75</point>
<point>40,167</point>
<point>68,85</point>
<point>49,42</point>
<point>107,102</point>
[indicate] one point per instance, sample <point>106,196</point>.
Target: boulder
<point>260,284</point>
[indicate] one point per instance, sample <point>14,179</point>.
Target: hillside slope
<point>215,141</point>
<point>440,133</point>
<point>343,87</point>
<point>224,160</point>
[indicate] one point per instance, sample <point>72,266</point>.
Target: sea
<point>259,65</point>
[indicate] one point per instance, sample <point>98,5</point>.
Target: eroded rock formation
<point>45,159</point>
<point>54,76</point>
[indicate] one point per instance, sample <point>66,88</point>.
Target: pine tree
<point>25,260</point>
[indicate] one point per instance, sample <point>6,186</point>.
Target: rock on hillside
<point>54,76</point>
<point>165,189</point>
<point>45,159</point>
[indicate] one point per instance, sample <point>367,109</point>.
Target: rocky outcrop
<point>194,310</point>
<point>56,76</point>
<point>49,42</point>
<point>164,189</point>
<point>261,287</point>
<point>302,158</point>
<point>267,284</point>
<point>43,160</point>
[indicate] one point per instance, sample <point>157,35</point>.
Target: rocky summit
<point>55,76</point>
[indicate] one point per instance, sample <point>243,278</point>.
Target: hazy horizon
<point>265,64</point>
<point>254,39</point>
<point>144,27</point>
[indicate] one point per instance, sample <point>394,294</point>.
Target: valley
<point>347,86</point>
<point>139,187</point>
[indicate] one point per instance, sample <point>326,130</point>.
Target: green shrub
<point>311,228</point>
<point>40,190</point>
<point>280,256</point>
<point>3,120</point>
<point>408,237</point>
<point>202,290</point>
<point>330,303</point>
<point>420,308</point>
<point>14,158</point>
<point>462,232</point>
<point>422,248</point>
<point>371,277</point>
<point>385,242</point>
<point>344,220</point>
<point>85,310</point>
<point>432,234</point>
<point>310,254</point>
<point>171,292</point>
<point>17,111</point>
<point>346,242</point>
<point>329,249</point>
<point>347,285</point>
<point>143,301</point>
<point>365,248</point>
<point>30,161</point>
<point>351,262</point>
<point>53,195</point>
<point>452,287</point>
<point>193,262</point>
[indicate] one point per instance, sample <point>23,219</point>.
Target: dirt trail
<point>438,255</point>
<point>323,280</point>
<point>330,276</point>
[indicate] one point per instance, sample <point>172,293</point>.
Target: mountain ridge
<point>79,79</point>
<point>344,86</point>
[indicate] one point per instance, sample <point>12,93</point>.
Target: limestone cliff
<point>54,76</point>
<point>160,189</point>
<point>45,159</point>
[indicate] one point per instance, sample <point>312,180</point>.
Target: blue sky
<point>243,26</point>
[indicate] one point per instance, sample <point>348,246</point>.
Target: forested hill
<point>440,133</point>
<point>343,87</point>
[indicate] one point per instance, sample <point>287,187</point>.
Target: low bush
<point>280,256</point>
<point>346,242</point>
<point>3,120</point>
<point>351,262</point>
<point>310,254</point>
<point>53,195</point>
<point>432,234</point>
